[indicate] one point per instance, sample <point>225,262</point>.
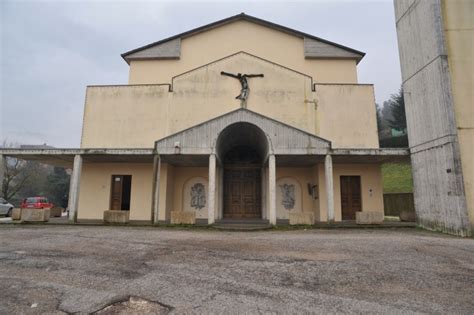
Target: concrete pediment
<point>167,50</point>
<point>314,47</point>
<point>208,76</point>
<point>282,138</point>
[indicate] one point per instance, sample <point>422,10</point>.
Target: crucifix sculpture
<point>244,92</point>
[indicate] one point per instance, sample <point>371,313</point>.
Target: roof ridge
<point>247,17</point>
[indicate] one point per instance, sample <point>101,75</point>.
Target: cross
<point>244,92</point>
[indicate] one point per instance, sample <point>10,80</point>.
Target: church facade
<point>241,120</point>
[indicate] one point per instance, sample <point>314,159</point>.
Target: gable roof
<point>169,48</point>
<point>284,139</point>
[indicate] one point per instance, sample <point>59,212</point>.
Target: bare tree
<point>15,177</point>
<point>17,174</point>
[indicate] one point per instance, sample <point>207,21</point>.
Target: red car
<point>36,203</point>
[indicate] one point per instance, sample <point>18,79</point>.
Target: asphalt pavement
<point>85,269</point>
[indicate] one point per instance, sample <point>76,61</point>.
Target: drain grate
<point>134,305</point>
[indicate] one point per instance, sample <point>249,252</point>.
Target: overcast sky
<point>51,50</point>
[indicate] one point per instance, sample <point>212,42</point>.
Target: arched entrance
<point>242,148</point>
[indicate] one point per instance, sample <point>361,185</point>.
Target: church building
<point>240,120</point>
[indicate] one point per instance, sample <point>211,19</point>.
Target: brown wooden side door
<point>116,193</point>
<point>242,196</point>
<point>351,199</point>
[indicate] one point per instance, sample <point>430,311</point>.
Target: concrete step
<point>243,221</point>
<point>242,226</point>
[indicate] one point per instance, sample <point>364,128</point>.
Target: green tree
<point>58,186</point>
<point>378,112</point>
<point>397,107</point>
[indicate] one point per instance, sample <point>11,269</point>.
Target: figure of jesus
<point>244,92</point>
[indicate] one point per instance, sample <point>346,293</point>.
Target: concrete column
<point>329,187</point>
<point>74,185</point>
<point>264,193</point>
<point>211,202</point>
<point>2,172</point>
<point>155,199</point>
<point>272,190</point>
<point>221,192</point>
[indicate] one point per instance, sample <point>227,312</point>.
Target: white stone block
<point>183,217</point>
<point>116,216</point>
<point>302,218</point>
<point>16,214</point>
<point>369,217</point>
<point>35,215</point>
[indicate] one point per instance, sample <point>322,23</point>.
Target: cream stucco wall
<point>95,189</point>
<point>169,190</point>
<point>124,116</point>
<point>304,201</point>
<point>459,32</point>
<point>371,188</point>
<point>136,116</point>
<point>166,200</point>
<point>317,191</point>
<point>346,115</point>
<point>217,43</point>
<point>181,176</point>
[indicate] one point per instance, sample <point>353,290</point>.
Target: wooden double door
<point>351,200</point>
<point>242,193</point>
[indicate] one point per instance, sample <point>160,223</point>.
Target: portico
<point>242,147</point>
<point>186,170</point>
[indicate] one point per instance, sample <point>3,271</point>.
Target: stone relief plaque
<point>198,196</point>
<point>288,196</point>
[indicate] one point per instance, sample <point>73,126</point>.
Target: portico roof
<point>376,155</point>
<point>65,157</point>
<point>291,145</point>
<point>283,139</point>
<point>349,156</point>
<point>192,146</point>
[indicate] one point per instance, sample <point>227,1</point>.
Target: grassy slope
<point>397,178</point>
